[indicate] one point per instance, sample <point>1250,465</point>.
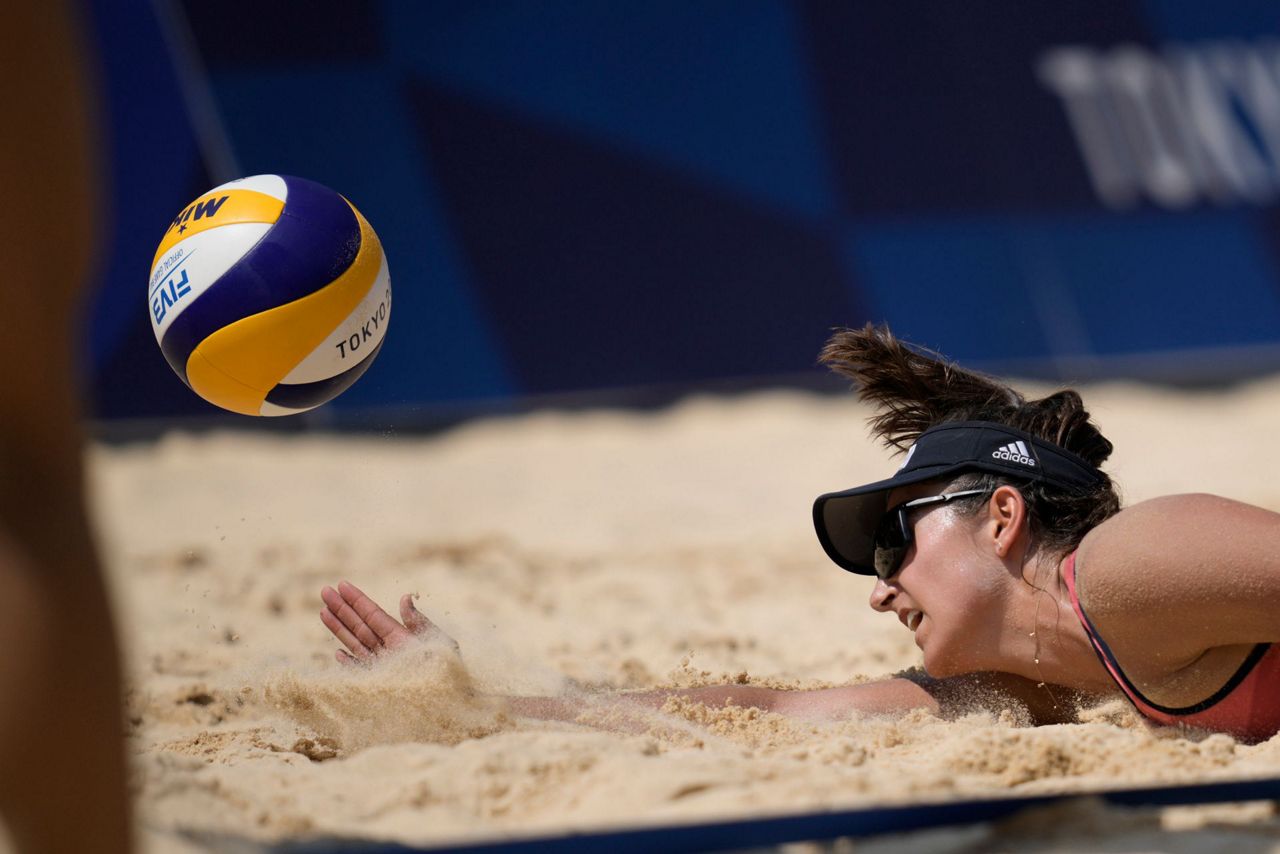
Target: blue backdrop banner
<point>577,196</point>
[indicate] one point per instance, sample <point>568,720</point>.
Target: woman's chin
<point>939,664</point>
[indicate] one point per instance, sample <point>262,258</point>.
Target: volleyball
<point>269,295</point>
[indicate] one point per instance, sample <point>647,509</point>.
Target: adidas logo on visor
<point>1014,452</point>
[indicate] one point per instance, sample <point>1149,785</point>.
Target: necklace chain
<point>1035,633</point>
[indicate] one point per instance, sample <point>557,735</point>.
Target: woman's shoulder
<point>1170,508</point>
<point>1165,528</point>
<point>1160,534</point>
<point>1205,559</point>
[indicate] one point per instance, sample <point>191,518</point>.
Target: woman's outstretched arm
<point>894,695</point>
<point>366,630</point>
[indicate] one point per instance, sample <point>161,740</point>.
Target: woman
<point>1001,546</point>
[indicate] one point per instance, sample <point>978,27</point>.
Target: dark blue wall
<point>577,196</point>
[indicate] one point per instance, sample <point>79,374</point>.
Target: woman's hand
<point>367,630</point>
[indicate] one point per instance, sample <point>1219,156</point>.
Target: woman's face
<point>950,588</point>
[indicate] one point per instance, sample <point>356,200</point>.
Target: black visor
<point>846,521</point>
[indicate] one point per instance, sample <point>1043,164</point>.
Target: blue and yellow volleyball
<point>269,295</point>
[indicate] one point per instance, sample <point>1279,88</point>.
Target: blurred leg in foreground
<point>62,768</point>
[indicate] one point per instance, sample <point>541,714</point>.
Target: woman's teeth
<point>913,620</point>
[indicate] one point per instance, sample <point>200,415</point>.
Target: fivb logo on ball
<point>269,295</point>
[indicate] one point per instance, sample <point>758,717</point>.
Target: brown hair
<point>916,389</point>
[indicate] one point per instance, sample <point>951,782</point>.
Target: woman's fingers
<point>351,619</point>
<point>343,634</point>
<point>379,621</point>
<point>365,629</point>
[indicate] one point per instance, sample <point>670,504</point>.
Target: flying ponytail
<point>914,389</point>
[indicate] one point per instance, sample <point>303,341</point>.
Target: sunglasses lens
<point>889,533</point>
<point>891,543</point>
<point>888,560</point>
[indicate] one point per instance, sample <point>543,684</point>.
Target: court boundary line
<point>806,827</point>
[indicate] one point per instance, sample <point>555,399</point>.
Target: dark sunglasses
<point>893,535</point>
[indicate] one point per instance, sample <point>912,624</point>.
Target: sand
<point>577,554</point>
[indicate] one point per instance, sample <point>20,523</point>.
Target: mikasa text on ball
<point>269,295</point>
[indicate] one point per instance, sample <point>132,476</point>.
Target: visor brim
<point>846,521</point>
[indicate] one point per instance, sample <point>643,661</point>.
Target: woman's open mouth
<point>913,619</point>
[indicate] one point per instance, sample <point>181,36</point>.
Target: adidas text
<point>1015,452</point>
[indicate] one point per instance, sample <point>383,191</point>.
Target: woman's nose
<point>882,595</point>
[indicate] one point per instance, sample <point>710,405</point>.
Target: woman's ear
<point>1007,511</point>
